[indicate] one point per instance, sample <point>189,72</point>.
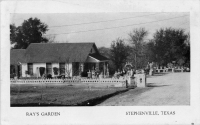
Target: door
<point>19,71</point>
<point>75,68</point>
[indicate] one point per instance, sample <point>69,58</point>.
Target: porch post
<point>37,72</point>
<point>81,66</point>
<point>107,70</point>
<point>16,70</point>
<point>97,66</point>
<point>104,69</point>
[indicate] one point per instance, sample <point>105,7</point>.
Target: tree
<point>136,38</point>
<point>187,42</point>
<point>30,31</point>
<point>13,31</point>
<point>104,51</point>
<point>170,45</point>
<point>119,53</point>
<point>187,51</point>
<point>150,51</point>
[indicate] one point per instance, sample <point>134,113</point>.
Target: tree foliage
<point>150,51</point>
<point>119,53</point>
<point>30,31</point>
<point>104,51</point>
<point>136,38</point>
<point>170,45</point>
<point>166,46</point>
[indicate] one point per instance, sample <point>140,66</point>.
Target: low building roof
<point>99,57</point>
<point>17,56</point>
<point>55,53</point>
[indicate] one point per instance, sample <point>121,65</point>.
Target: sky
<point>103,28</point>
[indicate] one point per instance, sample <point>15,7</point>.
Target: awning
<point>94,58</point>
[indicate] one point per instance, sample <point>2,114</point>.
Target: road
<point>163,90</point>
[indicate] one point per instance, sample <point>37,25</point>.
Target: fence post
<point>140,80</point>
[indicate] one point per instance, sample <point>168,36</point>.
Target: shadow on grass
<point>155,85</point>
<point>156,74</point>
<point>159,74</point>
<point>96,101</point>
<point>132,93</point>
<point>90,102</point>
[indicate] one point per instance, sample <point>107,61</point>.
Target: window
<point>49,68</point>
<point>30,68</point>
<point>62,68</point>
<point>12,69</point>
<point>55,70</point>
<point>76,68</point>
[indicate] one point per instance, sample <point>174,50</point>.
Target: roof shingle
<point>53,53</point>
<point>99,57</point>
<point>16,56</point>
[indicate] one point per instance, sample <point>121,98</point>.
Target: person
<point>134,72</point>
<point>115,75</point>
<point>122,73</point>
<point>151,68</point>
<point>89,74</point>
<point>93,73</point>
<point>147,68</point>
<point>96,73</point>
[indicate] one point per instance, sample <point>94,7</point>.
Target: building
<point>69,59</point>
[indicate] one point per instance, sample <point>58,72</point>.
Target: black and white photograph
<point>92,62</point>
<point>100,59</point>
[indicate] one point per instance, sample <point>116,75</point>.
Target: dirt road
<point>163,89</point>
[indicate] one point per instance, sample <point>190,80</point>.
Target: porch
<point>95,66</point>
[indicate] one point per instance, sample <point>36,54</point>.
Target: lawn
<point>59,95</point>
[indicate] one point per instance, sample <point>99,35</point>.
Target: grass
<point>59,95</point>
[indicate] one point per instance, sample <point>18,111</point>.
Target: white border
<point>100,115</point>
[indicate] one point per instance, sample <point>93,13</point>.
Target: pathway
<point>163,89</point>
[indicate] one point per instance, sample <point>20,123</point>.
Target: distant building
<point>72,59</point>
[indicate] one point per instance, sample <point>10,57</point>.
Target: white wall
<point>38,65</point>
<point>24,69</point>
<point>68,67</point>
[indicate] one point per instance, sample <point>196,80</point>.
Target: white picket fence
<point>178,70</point>
<point>169,70</point>
<point>49,81</point>
<point>161,70</point>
